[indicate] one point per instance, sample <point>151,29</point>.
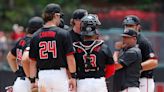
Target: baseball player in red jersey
<point>51,52</point>
<point>92,57</point>
<point>14,57</point>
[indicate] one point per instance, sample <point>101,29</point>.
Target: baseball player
<point>78,14</point>
<point>14,57</point>
<point>93,57</point>
<point>51,52</point>
<point>149,59</point>
<point>128,65</point>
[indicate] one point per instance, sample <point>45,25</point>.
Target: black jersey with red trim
<point>147,53</point>
<point>50,46</point>
<point>91,58</point>
<point>18,50</point>
<point>75,36</point>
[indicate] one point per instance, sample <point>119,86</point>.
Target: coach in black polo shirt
<point>128,65</point>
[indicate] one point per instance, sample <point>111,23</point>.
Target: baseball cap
<point>52,8</point>
<point>35,23</point>
<point>79,13</point>
<point>129,33</point>
<point>131,20</point>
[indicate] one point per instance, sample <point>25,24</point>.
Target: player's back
<point>50,45</point>
<point>91,59</point>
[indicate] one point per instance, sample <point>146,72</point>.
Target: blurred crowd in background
<point>7,41</point>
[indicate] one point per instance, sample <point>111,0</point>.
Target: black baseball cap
<point>131,20</point>
<point>52,8</point>
<point>34,24</point>
<point>79,13</point>
<point>129,33</point>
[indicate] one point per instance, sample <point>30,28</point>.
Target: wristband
<point>32,80</point>
<point>74,75</point>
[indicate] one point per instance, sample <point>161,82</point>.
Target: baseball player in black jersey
<point>128,64</point>
<point>75,22</point>
<point>15,56</point>
<point>92,57</point>
<point>149,59</point>
<point>51,52</point>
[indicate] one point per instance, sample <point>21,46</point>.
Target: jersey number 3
<point>46,48</point>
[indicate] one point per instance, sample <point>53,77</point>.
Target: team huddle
<point>53,58</point>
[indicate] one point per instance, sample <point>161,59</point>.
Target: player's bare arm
<point>12,61</point>
<point>118,66</point>
<point>115,55</point>
<point>149,64</point>
<point>33,69</point>
<point>71,63</point>
<point>118,46</point>
<point>26,63</point>
<point>72,69</point>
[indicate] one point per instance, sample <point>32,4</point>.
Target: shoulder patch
<point>152,55</point>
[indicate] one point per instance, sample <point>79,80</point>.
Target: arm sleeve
<point>147,50</point>
<point>13,50</point>
<point>109,68</point>
<point>128,58</point>
<point>68,46</point>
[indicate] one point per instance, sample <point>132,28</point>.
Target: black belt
<point>146,77</point>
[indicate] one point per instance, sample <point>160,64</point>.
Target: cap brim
<point>125,35</point>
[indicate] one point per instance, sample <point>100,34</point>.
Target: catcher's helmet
<point>89,25</point>
<point>34,24</point>
<point>130,20</point>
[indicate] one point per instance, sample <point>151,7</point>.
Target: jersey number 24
<point>46,48</point>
